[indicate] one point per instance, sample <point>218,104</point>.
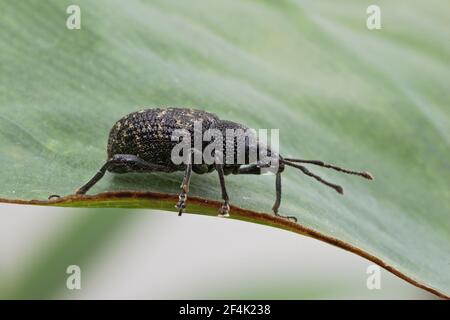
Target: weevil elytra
<point>143,142</point>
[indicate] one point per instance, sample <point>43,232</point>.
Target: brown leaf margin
<point>117,197</point>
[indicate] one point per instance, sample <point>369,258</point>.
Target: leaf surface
<point>373,100</point>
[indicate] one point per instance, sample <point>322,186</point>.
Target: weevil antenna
<point>364,174</point>
<point>339,189</point>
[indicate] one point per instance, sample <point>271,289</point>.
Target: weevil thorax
<point>240,139</point>
<point>234,138</point>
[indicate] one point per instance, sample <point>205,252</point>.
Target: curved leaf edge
<point>165,201</point>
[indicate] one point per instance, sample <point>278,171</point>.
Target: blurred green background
<point>149,254</point>
<point>375,100</point>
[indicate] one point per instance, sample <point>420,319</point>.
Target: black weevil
<point>143,142</point>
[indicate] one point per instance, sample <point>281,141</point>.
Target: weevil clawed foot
<point>80,191</point>
<point>181,205</point>
<point>224,211</point>
<point>285,217</point>
<point>53,196</point>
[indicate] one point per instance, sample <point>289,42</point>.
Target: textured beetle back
<point>147,133</point>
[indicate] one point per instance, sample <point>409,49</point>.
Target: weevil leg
<point>277,203</point>
<point>121,163</point>
<point>181,205</point>
<point>256,169</point>
<point>85,188</point>
<point>224,211</point>
<point>250,169</point>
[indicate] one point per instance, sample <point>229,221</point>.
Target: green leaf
<point>375,100</point>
